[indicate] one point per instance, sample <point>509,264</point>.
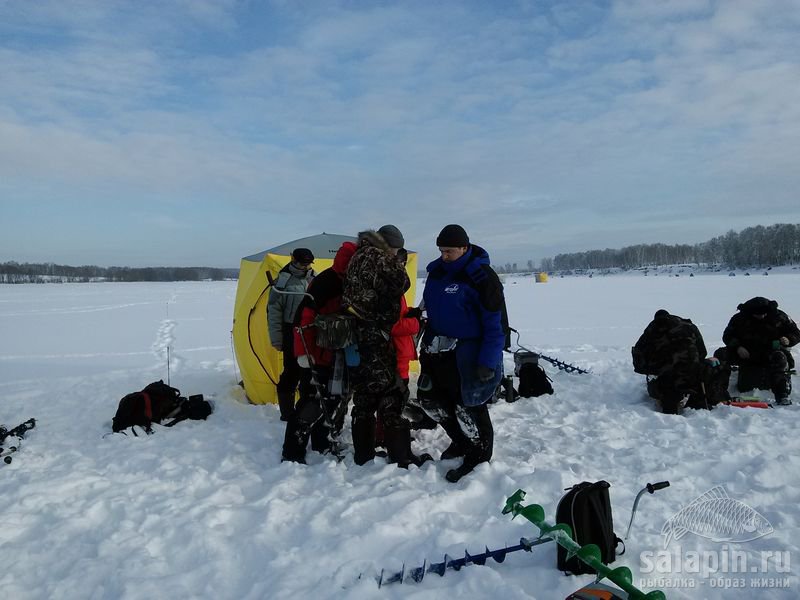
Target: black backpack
<point>586,508</point>
<point>157,402</point>
<point>533,380</point>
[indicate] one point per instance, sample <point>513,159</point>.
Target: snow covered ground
<point>207,509</point>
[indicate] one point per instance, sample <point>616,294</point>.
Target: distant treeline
<point>752,247</point>
<point>13,272</point>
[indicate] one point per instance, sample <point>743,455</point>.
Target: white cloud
<point>568,124</point>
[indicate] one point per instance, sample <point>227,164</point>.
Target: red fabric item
<point>403,334</point>
<point>326,288</point>
<point>148,407</point>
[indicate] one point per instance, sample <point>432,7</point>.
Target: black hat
<point>661,313</point>
<point>758,306</point>
<point>304,256</point>
<point>392,236</point>
<point>452,236</point>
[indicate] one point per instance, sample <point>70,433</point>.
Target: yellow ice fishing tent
<point>260,364</point>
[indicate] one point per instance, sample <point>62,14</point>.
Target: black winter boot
<point>298,429</point>
<point>398,444</point>
<point>459,442</point>
<point>286,404</point>
<point>363,439</point>
<point>295,441</point>
<point>480,449</point>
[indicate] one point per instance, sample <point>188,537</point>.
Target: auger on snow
<point>560,364</point>
<point>417,574</point>
<point>560,533</point>
<point>589,554</point>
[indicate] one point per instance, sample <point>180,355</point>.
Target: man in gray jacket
<point>281,308</point>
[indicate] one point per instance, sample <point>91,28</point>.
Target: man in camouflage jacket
<point>758,338</point>
<point>373,285</point>
<point>672,354</point>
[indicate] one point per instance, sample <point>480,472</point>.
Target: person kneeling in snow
<point>672,354</point>
<point>758,339</point>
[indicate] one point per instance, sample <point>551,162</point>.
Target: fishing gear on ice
<point>585,536</point>
<point>17,432</point>
<point>560,364</point>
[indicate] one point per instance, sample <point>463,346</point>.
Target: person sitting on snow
<point>672,354</point>
<point>758,338</point>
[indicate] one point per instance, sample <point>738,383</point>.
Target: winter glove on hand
<point>485,374</point>
<point>743,353</point>
<point>414,313</point>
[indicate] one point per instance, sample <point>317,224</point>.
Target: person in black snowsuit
<point>461,356</point>
<point>671,352</point>
<point>758,338</point>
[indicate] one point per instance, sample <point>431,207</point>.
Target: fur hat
<point>452,236</point>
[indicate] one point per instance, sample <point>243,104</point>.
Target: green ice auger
<point>589,554</point>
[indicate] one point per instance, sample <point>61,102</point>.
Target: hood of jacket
<point>758,306</point>
<point>343,256</point>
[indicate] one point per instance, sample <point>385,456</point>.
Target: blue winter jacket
<point>464,300</point>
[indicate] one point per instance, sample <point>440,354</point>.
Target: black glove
<point>485,374</point>
<point>414,312</point>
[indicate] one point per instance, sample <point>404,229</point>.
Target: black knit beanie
<point>452,236</point>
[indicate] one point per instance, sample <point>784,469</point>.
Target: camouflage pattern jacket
<point>374,282</point>
<point>668,341</point>
<point>759,336</point>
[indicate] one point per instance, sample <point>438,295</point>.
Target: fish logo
<point>716,516</point>
<point>451,289</point>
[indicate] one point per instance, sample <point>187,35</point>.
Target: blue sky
<point>196,132</point>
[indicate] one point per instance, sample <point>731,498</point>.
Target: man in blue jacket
<point>462,347</point>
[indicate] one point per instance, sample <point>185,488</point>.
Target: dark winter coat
<point>464,299</point>
<point>326,289</point>
<point>759,336</point>
<point>668,341</point>
<point>374,282</point>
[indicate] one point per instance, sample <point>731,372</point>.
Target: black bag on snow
<point>533,380</point>
<point>195,408</point>
<point>586,508</point>
<point>155,403</point>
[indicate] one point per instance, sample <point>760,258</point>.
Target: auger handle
<point>650,487</point>
<point>654,487</point>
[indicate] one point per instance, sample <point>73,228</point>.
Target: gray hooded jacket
<point>281,308</point>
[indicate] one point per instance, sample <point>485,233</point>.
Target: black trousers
<point>292,374</point>
<point>469,427</point>
<point>770,372</point>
